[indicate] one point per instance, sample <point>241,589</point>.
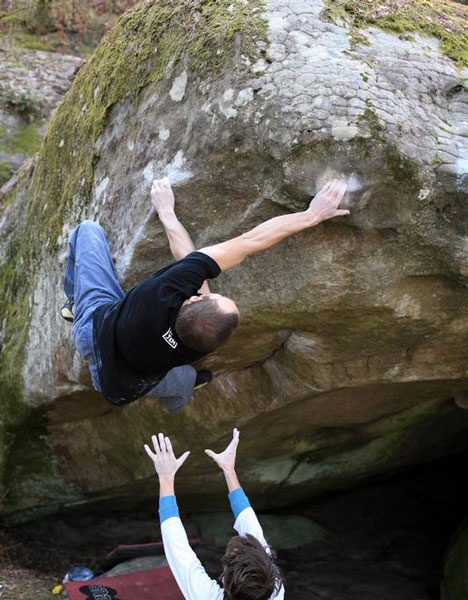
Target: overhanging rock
<point>353,337</point>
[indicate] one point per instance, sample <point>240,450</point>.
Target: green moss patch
<point>400,168</point>
<point>29,41</point>
<point>32,472</point>
<point>6,172</point>
<point>23,104</point>
<point>441,19</point>
<point>26,140</point>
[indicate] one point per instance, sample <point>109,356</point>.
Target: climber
<point>142,343</point>
<point>249,567</point>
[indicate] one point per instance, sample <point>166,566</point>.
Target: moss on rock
<point>400,168</point>
<point>32,472</point>
<point>6,171</point>
<point>440,19</point>
<point>143,48</point>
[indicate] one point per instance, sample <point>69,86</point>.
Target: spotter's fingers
<point>154,439</point>
<point>149,452</point>
<point>162,443</point>
<point>183,458</point>
<point>168,444</point>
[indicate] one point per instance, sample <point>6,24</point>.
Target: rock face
<point>352,347</point>
<point>31,86</point>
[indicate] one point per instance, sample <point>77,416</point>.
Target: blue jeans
<point>90,281</point>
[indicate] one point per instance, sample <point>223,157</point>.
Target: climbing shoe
<point>203,377</point>
<point>66,311</point>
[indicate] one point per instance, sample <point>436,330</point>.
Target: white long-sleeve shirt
<point>193,580</point>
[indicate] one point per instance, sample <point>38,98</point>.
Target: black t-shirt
<point>134,338</point>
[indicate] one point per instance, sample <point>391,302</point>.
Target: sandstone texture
<point>350,360</point>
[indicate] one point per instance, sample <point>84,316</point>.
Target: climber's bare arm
<point>180,243</point>
<point>324,206</point>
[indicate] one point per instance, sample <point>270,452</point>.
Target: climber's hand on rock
<point>325,203</point>
<point>162,198</point>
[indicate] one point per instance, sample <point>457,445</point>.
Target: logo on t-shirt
<point>167,337</point>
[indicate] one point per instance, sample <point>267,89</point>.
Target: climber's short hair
<point>249,570</point>
<point>203,325</point>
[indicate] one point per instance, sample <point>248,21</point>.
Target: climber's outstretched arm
<point>180,243</point>
<point>322,207</point>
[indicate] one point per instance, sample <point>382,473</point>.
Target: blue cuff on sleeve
<point>168,508</point>
<point>239,501</point>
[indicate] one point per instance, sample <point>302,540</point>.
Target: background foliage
<point>72,26</point>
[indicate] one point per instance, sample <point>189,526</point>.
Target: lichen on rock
<point>442,20</point>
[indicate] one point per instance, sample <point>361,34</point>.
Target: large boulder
<point>350,358</point>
